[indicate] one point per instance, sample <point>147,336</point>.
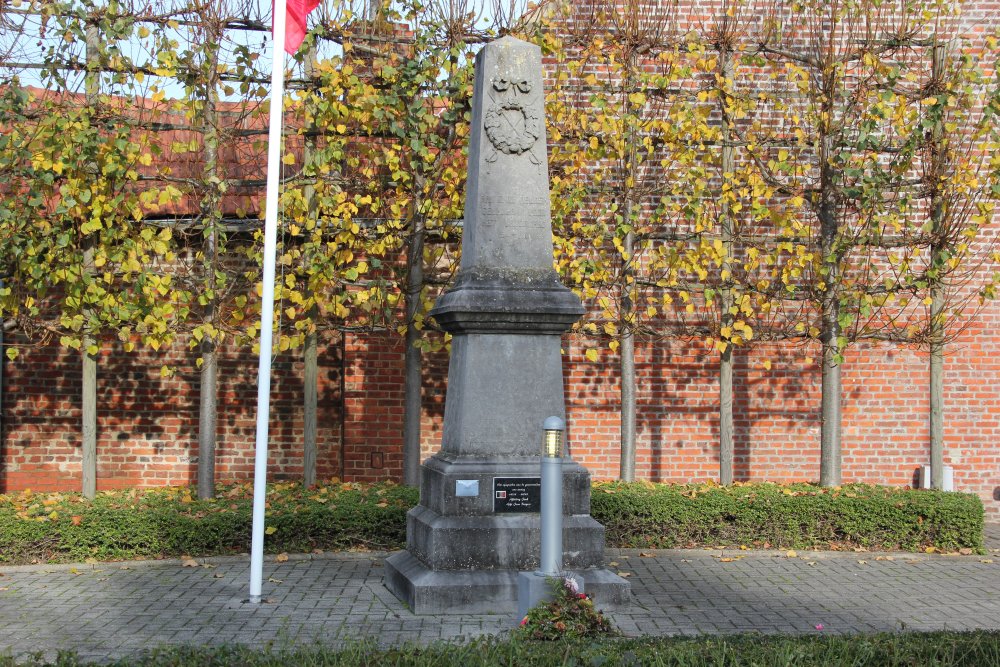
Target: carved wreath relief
<point>512,122</point>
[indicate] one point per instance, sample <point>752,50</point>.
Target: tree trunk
<point>628,407</point>
<point>830,446</point>
<point>207,416</point>
<point>936,370</point>
<point>627,316</point>
<point>413,356</point>
<point>310,400</point>
<point>209,381</point>
<point>310,353</point>
<point>830,422</point>
<point>89,418</point>
<point>726,444</point>
<point>88,449</point>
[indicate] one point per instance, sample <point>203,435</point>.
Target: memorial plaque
<point>517,494</point>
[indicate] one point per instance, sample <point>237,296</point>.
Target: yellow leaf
<point>270,530</point>
<point>289,158</point>
<point>791,553</point>
<point>767,364</point>
<point>281,558</point>
<point>591,354</point>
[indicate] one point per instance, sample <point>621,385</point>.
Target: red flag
<point>295,22</point>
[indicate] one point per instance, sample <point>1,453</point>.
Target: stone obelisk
<point>477,524</point>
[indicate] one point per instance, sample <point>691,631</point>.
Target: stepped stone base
<point>428,591</point>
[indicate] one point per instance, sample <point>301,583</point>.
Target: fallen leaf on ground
<point>189,562</point>
<point>207,566</point>
<point>685,560</point>
<point>930,550</point>
<point>625,574</point>
<point>73,570</point>
<point>791,553</point>
<point>986,560</point>
<point>884,558</point>
<point>643,554</point>
<point>810,562</point>
<point>965,551</point>
<point>274,581</point>
<point>862,562</point>
<point>613,564</point>
<point>219,576</point>
<point>317,551</point>
<point>281,558</point>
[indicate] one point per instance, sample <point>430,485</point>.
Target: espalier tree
<point>79,263</point>
<point>383,189</point>
<point>849,138</point>
<point>636,165</point>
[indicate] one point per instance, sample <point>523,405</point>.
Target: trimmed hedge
<point>764,515</point>
<point>165,523</point>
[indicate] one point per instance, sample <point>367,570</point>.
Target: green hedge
<point>169,522</point>
<point>162,523</point>
<point>799,515</point>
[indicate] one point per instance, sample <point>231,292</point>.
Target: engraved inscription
<point>514,212</point>
<point>517,494</point>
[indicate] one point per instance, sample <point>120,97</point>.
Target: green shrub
<point>644,515</point>
<point>163,523</point>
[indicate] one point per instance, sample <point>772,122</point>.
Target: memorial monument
<point>477,524</point>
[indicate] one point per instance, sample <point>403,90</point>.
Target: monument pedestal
<point>478,525</point>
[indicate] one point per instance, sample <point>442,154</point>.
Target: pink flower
<point>524,621</point>
<point>819,626</point>
<point>581,596</point>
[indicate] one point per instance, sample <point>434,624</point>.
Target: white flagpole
<point>267,300</point>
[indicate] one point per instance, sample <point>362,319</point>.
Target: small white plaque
<point>466,488</point>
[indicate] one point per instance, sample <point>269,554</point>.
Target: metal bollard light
<point>552,487</point>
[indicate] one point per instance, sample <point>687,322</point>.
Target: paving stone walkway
<point>104,611</point>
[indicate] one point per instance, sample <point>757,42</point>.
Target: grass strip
<point>944,649</point>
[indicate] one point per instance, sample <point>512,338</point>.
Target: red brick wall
<point>148,425</point>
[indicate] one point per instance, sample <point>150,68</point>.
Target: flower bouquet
<point>569,614</point>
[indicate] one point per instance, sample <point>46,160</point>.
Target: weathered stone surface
<point>497,542</point>
<point>507,282</point>
<point>441,472</point>
<point>428,591</point>
<point>507,311</point>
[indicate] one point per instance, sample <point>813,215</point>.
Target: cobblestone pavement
<point>108,610</point>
